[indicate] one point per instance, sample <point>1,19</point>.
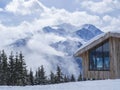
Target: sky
<point>22,18</point>
<point>101,13</point>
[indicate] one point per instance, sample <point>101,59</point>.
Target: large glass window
<point>99,57</point>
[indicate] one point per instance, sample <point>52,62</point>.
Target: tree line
<point>13,72</point>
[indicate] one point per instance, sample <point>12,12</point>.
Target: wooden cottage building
<point>101,57</point>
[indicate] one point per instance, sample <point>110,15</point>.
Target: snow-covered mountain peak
<point>68,27</point>
<point>88,26</point>
<point>88,31</point>
<point>92,28</point>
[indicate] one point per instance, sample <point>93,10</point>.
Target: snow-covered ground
<point>84,85</point>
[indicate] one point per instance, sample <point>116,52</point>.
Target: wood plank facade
<point>114,55</point>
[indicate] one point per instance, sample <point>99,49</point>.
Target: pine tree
<point>80,77</point>
<point>0,69</point>
<point>58,77</point>
<point>22,70</point>
<point>52,78</point>
<point>42,76</point>
<point>36,78</point>
<point>4,68</point>
<point>31,77</point>
<point>11,67</point>
<point>72,78</point>
<point>15,72</point>
<point>66,79</point>
<point>16,69</point>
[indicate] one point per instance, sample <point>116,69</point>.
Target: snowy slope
<point>84,85</point>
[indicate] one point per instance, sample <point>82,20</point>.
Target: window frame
<point>103,61</point>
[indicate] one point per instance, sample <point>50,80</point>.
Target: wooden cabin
<point>101,57</point>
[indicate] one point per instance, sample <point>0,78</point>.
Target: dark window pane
<point>99,63</point>
<point>99,57</point>
<point>106,63</point>
<point>92,59</point>
<point>106,56</point>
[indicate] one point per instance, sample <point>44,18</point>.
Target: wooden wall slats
<point>119,59</point>
<point>112,72</point>
<point>114,45</point>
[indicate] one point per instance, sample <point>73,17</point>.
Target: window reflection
<point>99,57</point>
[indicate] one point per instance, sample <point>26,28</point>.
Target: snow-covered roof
<point>95,41</point>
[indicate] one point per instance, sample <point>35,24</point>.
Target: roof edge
<point>96,40</point>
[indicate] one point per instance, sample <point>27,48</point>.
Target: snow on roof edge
<point>93,40</point>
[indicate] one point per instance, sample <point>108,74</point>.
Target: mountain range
<point>72,39</point>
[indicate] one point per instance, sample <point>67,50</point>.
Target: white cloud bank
<point>102,6</point>
<point>25,7</point>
